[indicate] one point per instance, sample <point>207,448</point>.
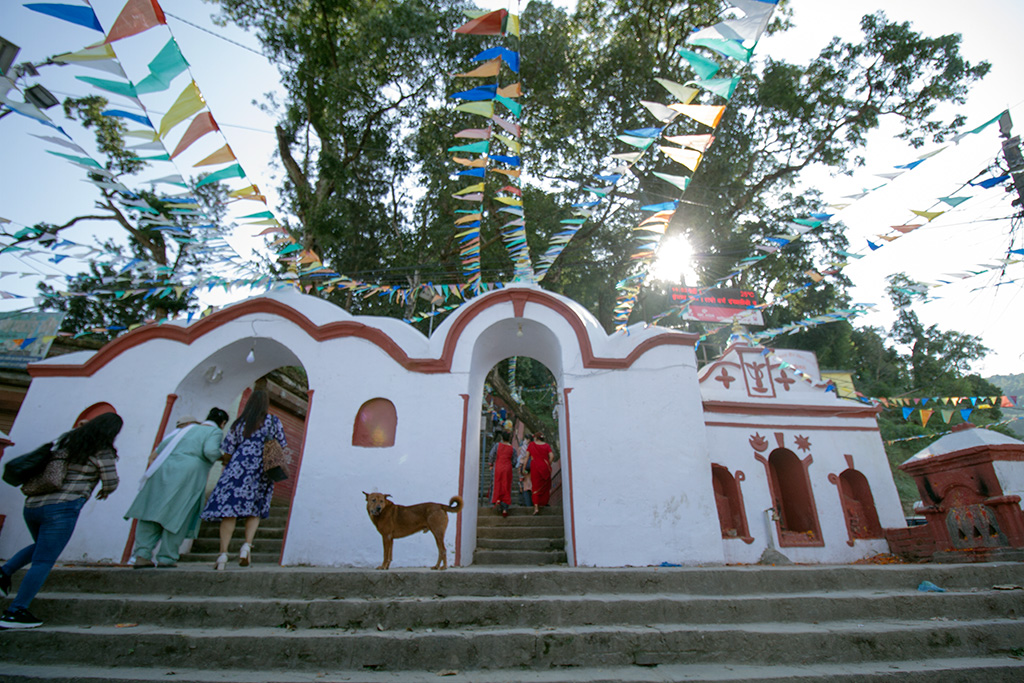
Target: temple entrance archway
<point>225,379</point>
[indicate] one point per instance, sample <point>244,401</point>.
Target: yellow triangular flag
<point>690,158</point>
<point>479,187</point>
<point>707,114</point>
<point>928,215</point>
<point>245,191</point>
<point>683,93</point>
<point>480,108</point>
<point>221,156</point>
<point>188,103</point>
<point>89,54</point>
<point>508,142</point>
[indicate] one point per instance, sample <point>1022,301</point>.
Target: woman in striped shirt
<point>51,517</point>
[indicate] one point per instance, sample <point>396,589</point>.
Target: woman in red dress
<point>502,490</point>
<point>539,463</point>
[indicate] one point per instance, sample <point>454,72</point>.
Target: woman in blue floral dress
<point>243,490</point>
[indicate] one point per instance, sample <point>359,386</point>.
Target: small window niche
<point>729,501</point>
<point>858,504</point>
<point>375,424</point>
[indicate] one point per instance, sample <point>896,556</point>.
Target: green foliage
<point>104,316</point>
<point>158,263</point>
<point>367,119</point>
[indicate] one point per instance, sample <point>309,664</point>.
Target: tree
<point>366,120</point>
<point>934,355</point>
<point>159,230</point>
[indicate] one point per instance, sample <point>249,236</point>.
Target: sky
<point>36,186</point>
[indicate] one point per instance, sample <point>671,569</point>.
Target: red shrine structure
<point>971,482</point>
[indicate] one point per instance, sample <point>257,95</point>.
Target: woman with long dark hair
<point>51,517</point>
<point>243,490</point>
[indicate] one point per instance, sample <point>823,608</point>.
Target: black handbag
<point>27,466</point>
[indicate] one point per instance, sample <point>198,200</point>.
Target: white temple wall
<point>641,478</point>
<point>639,428</point>
<point>828,446</point>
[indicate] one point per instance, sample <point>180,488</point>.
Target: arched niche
<point>375,424</point>
<point>729,500</point>
<point>796,514</point>
<point>95,410</point>
<point>858,504</point>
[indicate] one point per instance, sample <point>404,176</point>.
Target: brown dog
<point>398,521</point>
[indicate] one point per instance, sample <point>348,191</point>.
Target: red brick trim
<point>350,328</point>
<point>744,408</point>
<point>821,428</point>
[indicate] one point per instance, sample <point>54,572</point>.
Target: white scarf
<point>174,437</point>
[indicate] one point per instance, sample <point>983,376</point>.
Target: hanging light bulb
<point>519,332</point>
<point>251,358</point>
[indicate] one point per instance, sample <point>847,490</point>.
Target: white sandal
<point>243,555</point>
<point>222,561</point>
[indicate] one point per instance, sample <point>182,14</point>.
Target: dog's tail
<point>454,505</point>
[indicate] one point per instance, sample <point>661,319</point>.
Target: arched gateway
<point>640,428</point>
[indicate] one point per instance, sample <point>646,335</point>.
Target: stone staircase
<point>266,547</point>
<point>547,625</point>
<point>522,538</point>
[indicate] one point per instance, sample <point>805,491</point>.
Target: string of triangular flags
<point>800,226</point>
<point>479,157</point>
<point>939,434</point>
<point>136,17</point>
<point>731,38</point>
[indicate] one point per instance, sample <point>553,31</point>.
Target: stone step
<point>973,669</point>
<point>520,543</point>
<point>212,545</point>
<point>319,582</point>
<point>520,532</point>
<point>511,557</point>
<point>208,530</point>
<point>524,521</point>
<point>649,644</point>
<point>265,556</point>
<point>474,613</point>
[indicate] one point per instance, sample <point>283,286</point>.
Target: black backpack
<point>25,467</point>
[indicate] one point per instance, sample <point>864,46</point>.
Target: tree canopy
<point>366,121</point>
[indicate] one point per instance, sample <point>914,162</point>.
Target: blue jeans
<point>51,527</point>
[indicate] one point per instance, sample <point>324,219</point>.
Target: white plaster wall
<point>636,480</point>
<point>329,525</point>
<point>51,407</point>
<point>641,477</point>
<point>730,448</point>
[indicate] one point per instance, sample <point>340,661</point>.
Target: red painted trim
<point>967,457</point>
<point>130,544</point>
<point>295,473</point>
<point>738,407</point>
<point>572,494</point>
<point>462,477</point>
<point>349,328</point>
<point>821,428</point>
